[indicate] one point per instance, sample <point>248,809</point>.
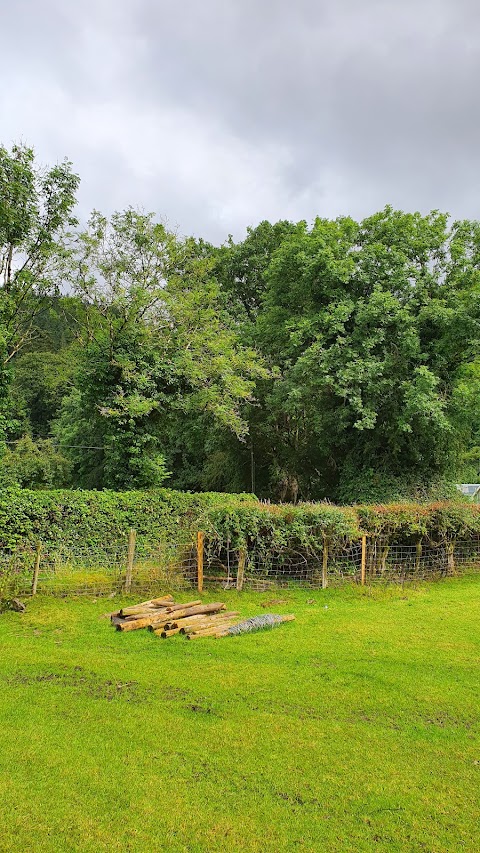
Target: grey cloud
<point>221,113</point>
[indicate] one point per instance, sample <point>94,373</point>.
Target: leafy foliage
<point>99,520</point>
<point>336,360</point>
<point>102,519</point>
<point>155,343</point>
<point>371,326</point>
<point>34,465</point>
<point>36,206</point>
<point>441,521</point>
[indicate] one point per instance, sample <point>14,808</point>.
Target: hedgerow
<point>101,520</point>
<point>270,527</point>
<point>441,521</point>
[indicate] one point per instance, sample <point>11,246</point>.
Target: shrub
<point>90,520</point>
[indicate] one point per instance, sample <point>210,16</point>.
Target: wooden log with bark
<point>152,603</point>
<point>135,624</point>
<point>201,608</point>
<point>192,624</point>
<point>165,634</point>
<point>194,611</point>
<point>169,630</point>
<point>216,631</point>
<point>157,612</point>
<point>172,622</point>
<point>212,624</point>
<point>171,608</point>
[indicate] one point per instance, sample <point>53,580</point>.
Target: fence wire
<point>97,572</point>
<point>79,570</point>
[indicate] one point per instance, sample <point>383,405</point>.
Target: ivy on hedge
<point>441,521</point>
<point>271,527</point>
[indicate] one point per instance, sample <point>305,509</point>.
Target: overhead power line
<point>57,444</point>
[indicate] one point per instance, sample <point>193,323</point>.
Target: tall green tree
<point>240,267</point>
<point>370,326</point>
<point>156,340</point>
<point>36,215</point>
<point>338,359</point>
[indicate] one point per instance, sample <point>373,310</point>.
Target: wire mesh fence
<point>141,569</point>
<point>389,563</point>
<point>382,563</point>
<point>97,572</point>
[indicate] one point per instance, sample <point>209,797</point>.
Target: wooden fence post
<point>132,536</point>
<point>418,557</point>
<point>364,560</point>
<point>325,564</point>
<point>200,544</point>
<point>450,558</point>
<point>242,558</point>
<point>36,568</point>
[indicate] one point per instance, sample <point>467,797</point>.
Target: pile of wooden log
<point>166,618</point>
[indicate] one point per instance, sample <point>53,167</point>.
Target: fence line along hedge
<point>90,519</point>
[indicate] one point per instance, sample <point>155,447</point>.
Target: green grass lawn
<point>355,728</point>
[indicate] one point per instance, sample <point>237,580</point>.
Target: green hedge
<point>101,520</point>
<point>270,527</point>
<point>439,522</point>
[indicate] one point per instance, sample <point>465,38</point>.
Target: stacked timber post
<point>165,618</point>
<point>418,557</point>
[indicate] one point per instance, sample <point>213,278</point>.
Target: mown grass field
<point>355,728</point>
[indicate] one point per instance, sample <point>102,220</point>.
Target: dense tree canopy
<point>334,360</point>
<point>372,326</point>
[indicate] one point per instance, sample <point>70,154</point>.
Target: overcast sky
<point>216,114</point>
